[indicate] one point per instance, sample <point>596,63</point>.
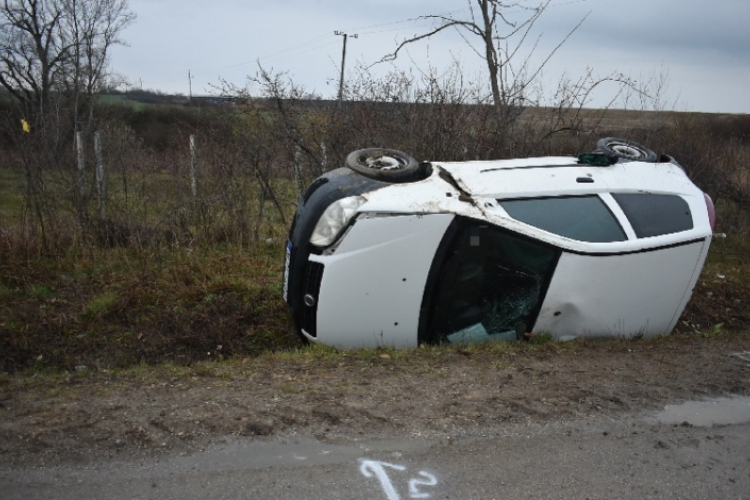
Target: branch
<point>448,24</point>
<point>557,47</point>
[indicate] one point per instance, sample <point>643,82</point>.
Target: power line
<point>324,40</point>
<point>403,21</point>
<point>305,45</point>
<point>290,53</point>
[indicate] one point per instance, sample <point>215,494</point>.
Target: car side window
<point>582,218</point>
<point>655,214</point>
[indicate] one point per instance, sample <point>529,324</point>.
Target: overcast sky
<point>700,48</point>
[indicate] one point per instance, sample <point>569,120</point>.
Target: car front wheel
<point>386,165</point>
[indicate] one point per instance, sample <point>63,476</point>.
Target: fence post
<point>324,157</point>
<point>101,182</point>
<point>193,168</point>
<point>80,150</point>
<point>298,171</point>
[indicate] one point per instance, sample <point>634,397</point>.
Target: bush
<point>159,263</point>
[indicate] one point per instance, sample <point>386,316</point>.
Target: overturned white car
<point>389,252</point>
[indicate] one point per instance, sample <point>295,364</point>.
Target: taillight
<point>711,211</point>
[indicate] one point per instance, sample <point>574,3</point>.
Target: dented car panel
<point>593,295</point>
<point>496,250</point>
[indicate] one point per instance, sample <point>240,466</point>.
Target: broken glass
<point>492,285</point>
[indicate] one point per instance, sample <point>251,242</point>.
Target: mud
<point>86,416</point>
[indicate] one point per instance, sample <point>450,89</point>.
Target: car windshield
<point>491,285</point>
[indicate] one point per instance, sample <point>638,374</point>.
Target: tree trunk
<point>491,54</point>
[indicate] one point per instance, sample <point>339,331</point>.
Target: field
<point>143,314</point>
<point>166,263</point>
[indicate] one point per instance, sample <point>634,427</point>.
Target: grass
<point>165,279</point>
<point>101,304</point>
<point>291,365</point>
<point>119,100</point>
<point>113,308</point>
<point>12,188</point>
<point>182,282</point>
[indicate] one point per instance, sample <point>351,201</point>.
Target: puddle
<point>722,411</point>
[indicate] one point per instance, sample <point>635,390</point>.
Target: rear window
<point>582,218</point>
<point>655,214</point>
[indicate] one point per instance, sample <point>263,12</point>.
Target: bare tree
<point>53,60</point>
<point>57,47</point>
<point>502,33</point>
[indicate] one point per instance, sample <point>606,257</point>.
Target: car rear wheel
<point>386,165</point>
<point>623,148</point>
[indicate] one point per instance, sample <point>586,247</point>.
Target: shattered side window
<point>582,218</point>
<point>492,285</point>
<point>655,214</point>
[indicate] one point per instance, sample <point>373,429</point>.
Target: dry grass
<point>168,277</point>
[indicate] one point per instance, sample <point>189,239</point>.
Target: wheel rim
<point>627,151</point>
<point>383,163</point>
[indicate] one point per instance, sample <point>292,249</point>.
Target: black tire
<point>386,165</point>
<point>617,148</point>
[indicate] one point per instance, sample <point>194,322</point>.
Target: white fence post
<point>324,157</point>
<point>101,181</point>
<point>298,171</point>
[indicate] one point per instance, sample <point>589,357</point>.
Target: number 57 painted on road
<point>370,468</point>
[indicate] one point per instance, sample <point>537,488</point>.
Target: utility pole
<point>190,88</point>
<point>343,61</point>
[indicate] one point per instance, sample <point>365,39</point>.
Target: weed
<point>203,370</point>
<point>38,292</point>
<point>541,338</point>
<point>716,331</point>
<point>501,365</point>
<point>101,305</point>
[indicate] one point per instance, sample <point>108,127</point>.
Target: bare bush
<point>255,157</point>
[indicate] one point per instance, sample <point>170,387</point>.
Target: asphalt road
<point>689,452</point>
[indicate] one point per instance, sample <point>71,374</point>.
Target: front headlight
<point>334,219</point>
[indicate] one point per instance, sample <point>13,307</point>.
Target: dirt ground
<point>85,417</point>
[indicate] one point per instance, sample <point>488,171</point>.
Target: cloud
<point>700,44</point>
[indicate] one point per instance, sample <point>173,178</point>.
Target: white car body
<point>375,288</point>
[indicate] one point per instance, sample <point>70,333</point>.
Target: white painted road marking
<point>370,468</point>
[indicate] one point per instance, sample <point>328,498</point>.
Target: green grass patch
<point>109,308</point>
<point>12,188</point>
<point>101,304</point>
<point>6,294</point>
<point>39,292</point>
